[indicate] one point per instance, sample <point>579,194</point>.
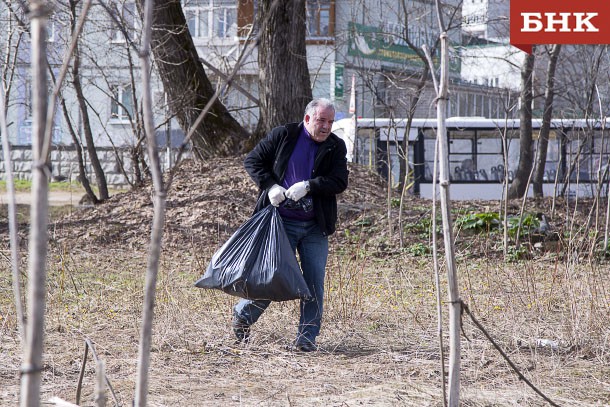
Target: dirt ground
<point>379,344</point>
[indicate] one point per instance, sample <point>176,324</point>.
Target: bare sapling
<point>12,221</point>
<point>42,126</point>
<point>159,197</point>
<point>38,241</point>
<point>437,276</point>
<point>8,73</point>
<point>453,289</point>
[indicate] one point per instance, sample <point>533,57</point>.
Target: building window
<point>28,97</point>
<point>124,22</point>
<point>51,27</point>
<point>225,18</point>
<point>121,104</point>
<point>319,18</point>
<point>211,18</point>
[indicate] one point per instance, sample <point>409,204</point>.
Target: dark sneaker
<point>241,328</point>
<point>305,346</point>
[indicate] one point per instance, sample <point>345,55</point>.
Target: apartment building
<point>487,56</point>
<point>372,44</point>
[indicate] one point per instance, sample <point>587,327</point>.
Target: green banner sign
<point>387,44</point>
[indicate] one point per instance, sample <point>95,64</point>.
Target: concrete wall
<point>64,164</point>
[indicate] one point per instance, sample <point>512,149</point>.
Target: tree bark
<point>455,305</point>
<point>284,83</point>
<point>95,162</point>
<point>100,177</point>
<point>82,171</point>
<point>543,138</point>
<point>187,85</point>
<point>519,185</point>
<point>159,203</point>
<point>31,368</point>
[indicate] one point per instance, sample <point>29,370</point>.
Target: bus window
<point>462,166</point>
<point>552,155</point>
<point>580,157</point>
<point>394,160</point>
<point>365,147</point>
<point>429,143</point>
<point>601,155</point>
<point>512,154</point>
<point>489,155</point>
<point>601,142</point>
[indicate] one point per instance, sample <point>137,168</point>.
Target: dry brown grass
<point>379,342</point>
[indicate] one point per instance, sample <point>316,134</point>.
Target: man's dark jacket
<point>267,163</point>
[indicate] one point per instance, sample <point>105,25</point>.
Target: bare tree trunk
<point>455,306</point>
<point>43,115</point>
<point>154,253</point>
<point>32,363</point>
<point>518,187</point>
<point>284,83</point>
<point>95,162</point>
<point>77,25</point>
<point>543,138</point>
<point>187,85</point>
<point>82,171</point>
<point>389,176</point>
<point>97,167</point>
<point>437,274</point>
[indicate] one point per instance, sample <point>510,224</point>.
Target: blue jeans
<point>305,238</point>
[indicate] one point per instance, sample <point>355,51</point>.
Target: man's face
<point>320,123</point>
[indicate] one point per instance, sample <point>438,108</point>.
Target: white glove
<point>298,190</point>
<point>276,194</point>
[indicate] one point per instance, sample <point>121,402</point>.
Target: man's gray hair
<point>320,102</point>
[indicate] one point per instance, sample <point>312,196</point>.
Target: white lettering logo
<point>581,22</point>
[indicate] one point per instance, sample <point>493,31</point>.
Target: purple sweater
<point>299,169</point>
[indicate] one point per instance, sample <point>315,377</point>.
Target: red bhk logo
<point>558,22</point>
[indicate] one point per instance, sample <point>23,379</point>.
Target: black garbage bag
<point>257,262</point>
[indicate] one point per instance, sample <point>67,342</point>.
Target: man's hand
<point>276,195</point>
<point>298,190</point>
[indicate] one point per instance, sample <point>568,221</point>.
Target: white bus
<point>578,150</point>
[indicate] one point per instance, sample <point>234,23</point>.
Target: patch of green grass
<point>23,185</point>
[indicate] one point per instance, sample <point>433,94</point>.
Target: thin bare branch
<point>62,75</point>
<point>12,219</point>
<point>154,252</point>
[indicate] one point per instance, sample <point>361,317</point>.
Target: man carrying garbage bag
<point>300,168</point>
